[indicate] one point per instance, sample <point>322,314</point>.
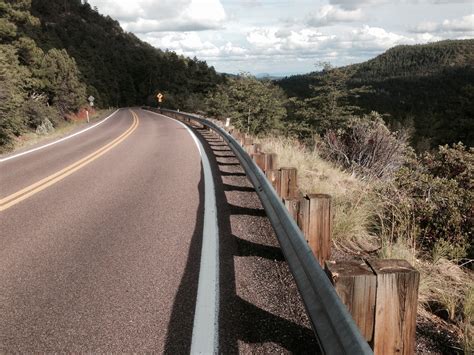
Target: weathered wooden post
<point>248,148</point>
<point>395,306</point>
<point>270,161</point>
<point>382,297</point>
<point>253,148</point>
<point>293,206</point>
<point>288,182</point>
<point>237,136</point>
<point>314,220</point>
<point>356,285</point>
<point>247,141</point>
<point>274,176</point>
<point>259,159</point>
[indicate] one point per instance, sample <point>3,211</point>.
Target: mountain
<point>428,89</point>
<point>118,68</point>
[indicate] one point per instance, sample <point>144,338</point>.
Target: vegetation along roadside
<point>392,198</point>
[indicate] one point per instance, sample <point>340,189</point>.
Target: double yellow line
<point>29,191</point>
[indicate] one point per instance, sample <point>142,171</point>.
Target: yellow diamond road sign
<point>160,97</point>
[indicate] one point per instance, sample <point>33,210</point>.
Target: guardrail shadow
<point>180,328</point>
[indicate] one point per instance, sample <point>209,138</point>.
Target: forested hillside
<point>54,54</point>
<point>118,68</point>
<point>428,89</point>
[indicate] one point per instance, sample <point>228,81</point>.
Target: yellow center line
<point>29,191</point>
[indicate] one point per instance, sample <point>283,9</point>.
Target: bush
<point>45,127</point>
<point>430,203</point>
<point>366,146</point>
<point>36,113</point>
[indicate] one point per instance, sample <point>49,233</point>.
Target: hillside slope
<point>54,54</point>
<point>118,68</point>
<point>427,88</point>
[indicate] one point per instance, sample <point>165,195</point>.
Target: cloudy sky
<point>288,37</point>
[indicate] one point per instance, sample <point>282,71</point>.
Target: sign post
<point>91,104</point>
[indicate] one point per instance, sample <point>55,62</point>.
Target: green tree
<point>254,106</point>
<point>61,79</point>
<point>12,95</point>
<point>327,106</point>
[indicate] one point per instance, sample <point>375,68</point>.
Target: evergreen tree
<point>254,106</point>
<point>61,78</point>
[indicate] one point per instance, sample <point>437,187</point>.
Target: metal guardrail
<point>333,325</point>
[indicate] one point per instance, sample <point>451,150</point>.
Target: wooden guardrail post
<point>253,148</point>
<point>265,161</point>
<point>247,141</point>
<point>288,181</point>
<point>257,148</point>
<point>382,297</point>
<point>314,220</point>
<point>293,206</point>
<point>270,161</point>
<point>259,159</point>
<point>274,176</point>
<point>356,284</point>
<point>395,306</point>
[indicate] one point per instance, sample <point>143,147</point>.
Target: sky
<point>279,37</point>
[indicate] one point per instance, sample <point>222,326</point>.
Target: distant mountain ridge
<point>424,59</point>
<point>427,88</point>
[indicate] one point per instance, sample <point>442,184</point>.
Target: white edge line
<point>58,141</point>
<point>205,339</point>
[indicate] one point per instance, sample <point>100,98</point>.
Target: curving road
<point>104,237</point>
<point>96,232</point>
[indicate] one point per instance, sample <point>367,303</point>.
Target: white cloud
<point>253,37</point>
<point>143,16</point>
<point>355,4</point>
<point>250,3</point>
<point>464,24</point>
<point>191,44</point>
<point>267,41</point>
<point>374,38</point>
<point>328,15</point>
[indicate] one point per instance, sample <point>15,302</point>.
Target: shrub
<point>366,146</point>
<point>430,203</point>
<point>45,127</point>
<point>36,112</point>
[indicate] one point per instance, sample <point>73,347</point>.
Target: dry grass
<point>353,205</point>
<point>446,294</point>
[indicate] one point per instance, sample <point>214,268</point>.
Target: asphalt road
<point>93,262</point>
<point>101,238</point>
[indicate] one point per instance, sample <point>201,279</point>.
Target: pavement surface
<point>105,256</point>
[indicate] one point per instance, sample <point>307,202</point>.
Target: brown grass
<point>353,206</point>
